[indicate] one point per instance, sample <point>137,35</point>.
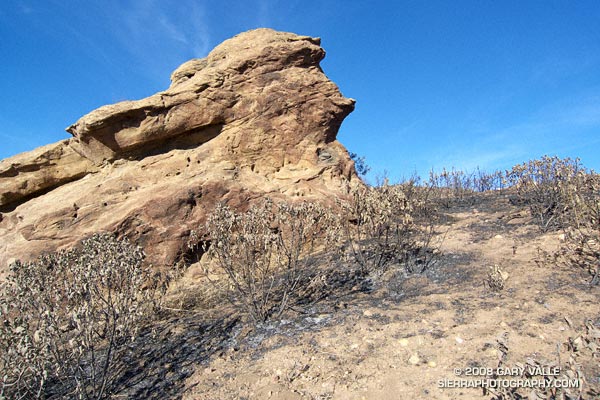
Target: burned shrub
<point>267,253</point>
<point>380,230</point>
<point>546,186</point>
<point>66,319</point>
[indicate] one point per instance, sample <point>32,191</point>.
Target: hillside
<point>215,241</point>
<point>404,333</point>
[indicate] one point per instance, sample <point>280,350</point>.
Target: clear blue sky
<point>437,83</point>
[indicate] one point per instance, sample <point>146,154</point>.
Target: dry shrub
<point>67,317</point>
<point>581,246</point>
<point>496,278</point>
<point>459,187</point>
<point>547,186</point>
<point>582,249</point>
<point>561,379</point>
<point>425,242</point>
<point>380,230</point>
<point>267,252</point>
<point>485,181</point>
<point>451,186</point>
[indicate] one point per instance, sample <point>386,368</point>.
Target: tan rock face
<point>256,117</point>
<point>29,174</point>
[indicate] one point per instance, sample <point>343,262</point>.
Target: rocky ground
<point>402,335</point>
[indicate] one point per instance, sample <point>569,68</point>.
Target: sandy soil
<point>407,335</point>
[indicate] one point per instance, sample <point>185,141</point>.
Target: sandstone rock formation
<point>256,117</point>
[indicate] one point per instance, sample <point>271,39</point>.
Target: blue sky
<point>437,83</point>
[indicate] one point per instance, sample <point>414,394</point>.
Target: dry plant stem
<point>546,186</point>
<point>380,228</point>
<point>265,253</point>
<point>581,224</point>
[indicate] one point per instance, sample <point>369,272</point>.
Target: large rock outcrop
<point>256,117</point>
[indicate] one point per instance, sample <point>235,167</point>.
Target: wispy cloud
<point>25,8</point>
<point>171,31</point>
<point>147,25</point>
<point>264,17</point>
<point>557,68</point>
<point>559,129</point>
<point>584,114</point>
<point>149,37</point>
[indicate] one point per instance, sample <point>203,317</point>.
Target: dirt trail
<point>407,335</point>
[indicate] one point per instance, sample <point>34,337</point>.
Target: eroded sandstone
<point>256,117</point>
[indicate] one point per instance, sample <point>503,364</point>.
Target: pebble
<point>459,340</point>
<point>498,237</point>
<point>403,342</point>
<point>432,364</point>
<point>493,352</point>
<point>368,313</point>
<point>414,359</point>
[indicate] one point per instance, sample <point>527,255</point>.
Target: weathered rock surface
<point>256,117</point>
<point>32,173</point>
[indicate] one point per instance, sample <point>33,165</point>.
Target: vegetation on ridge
<point>67,320</point>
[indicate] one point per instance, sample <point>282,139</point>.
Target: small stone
<point>498,237</point>
<point>459,340</point>
<point>503,324</point>
<point>414,359</point>
<point>432,364</point>
<point>228,166</point>
<point>368,313</point>
<point>562,237</point>
<point>353,346</point>
<point>492,352</point>
<point>403,342</point>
